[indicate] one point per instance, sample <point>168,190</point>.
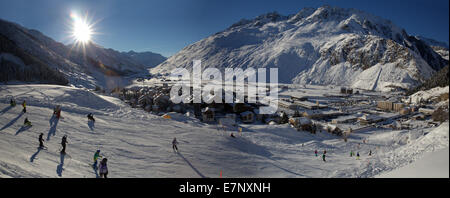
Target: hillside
<point>328,45</point>
<point>440,79</point>
<point>138,144</point>
<point>30,56</point>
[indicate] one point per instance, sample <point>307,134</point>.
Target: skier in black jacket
<point>41,141</point>
<point>91,117</point>
<point>63,143</point>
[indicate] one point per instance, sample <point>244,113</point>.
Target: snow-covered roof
<point>313,112</point>
<point>368,117</point>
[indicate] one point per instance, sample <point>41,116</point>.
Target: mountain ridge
<point>327,45</point>
<point>87,67</point>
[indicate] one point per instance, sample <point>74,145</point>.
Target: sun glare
<point>81,29</point>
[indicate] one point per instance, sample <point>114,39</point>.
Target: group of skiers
<point>102,167</point>
<point>351,154</point>
<point>323,155</point>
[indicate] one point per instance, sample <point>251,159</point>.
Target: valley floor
<point>138,144</point>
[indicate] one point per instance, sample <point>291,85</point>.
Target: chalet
<point>208,114</point>
<point>247,117</point>
<point>301,123</point>
<point>333,129</point>
<point>345,90</point>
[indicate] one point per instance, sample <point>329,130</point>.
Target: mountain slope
<point>327,45</point>
<point>439,47</point>
<point>138,144</point>
<point>149,59</point>
<point>440,79</point>
<point>88,67</point>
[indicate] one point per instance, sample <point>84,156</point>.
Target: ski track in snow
<point>138,144</point>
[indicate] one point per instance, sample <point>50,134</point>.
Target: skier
<point>357,155</point>
<point>24,105</point>
<point>370,153</point>
<point>174,144</point>
<point>96,156</point>
<point>12,103</point>
<point>90,116</point>
<point>41,141</point>
<point>103,168</point>
<point>26,122</point>
<point>351,153</point>
<point>63,143</point>
<point>232,135</point>
<point>323,157</point>
<point>315,152</point>
<point>57,111</point>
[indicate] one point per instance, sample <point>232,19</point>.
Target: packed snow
<point>138,144</point>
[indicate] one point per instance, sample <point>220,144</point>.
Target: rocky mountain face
<point>327,45</point>
<point>30,53</point>
<point>439,47</point>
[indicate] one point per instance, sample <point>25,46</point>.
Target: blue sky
<point>166,26</point>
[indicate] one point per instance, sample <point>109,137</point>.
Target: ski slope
<point>432,165</point>
<point>138,144</point>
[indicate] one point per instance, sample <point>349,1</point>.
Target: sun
<point>81,29</point>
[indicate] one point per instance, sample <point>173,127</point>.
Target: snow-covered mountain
<point>149,59</point>
<point>87,66</point>
<point>327,45</point>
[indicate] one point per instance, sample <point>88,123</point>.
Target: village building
<point>426,111</point>
<point>208,114</point>
<point>419,116</point>
<point>311,105</point>
<point>312,114</point>
<point>345,119</point>
<point>247,117</point>
<point>334,129</point>
<point>301,123</point>
<point>397,106</point>
<point>369,119</point>
<point>385,105</point>
<point>345,90</point>
<point>287,104</point>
